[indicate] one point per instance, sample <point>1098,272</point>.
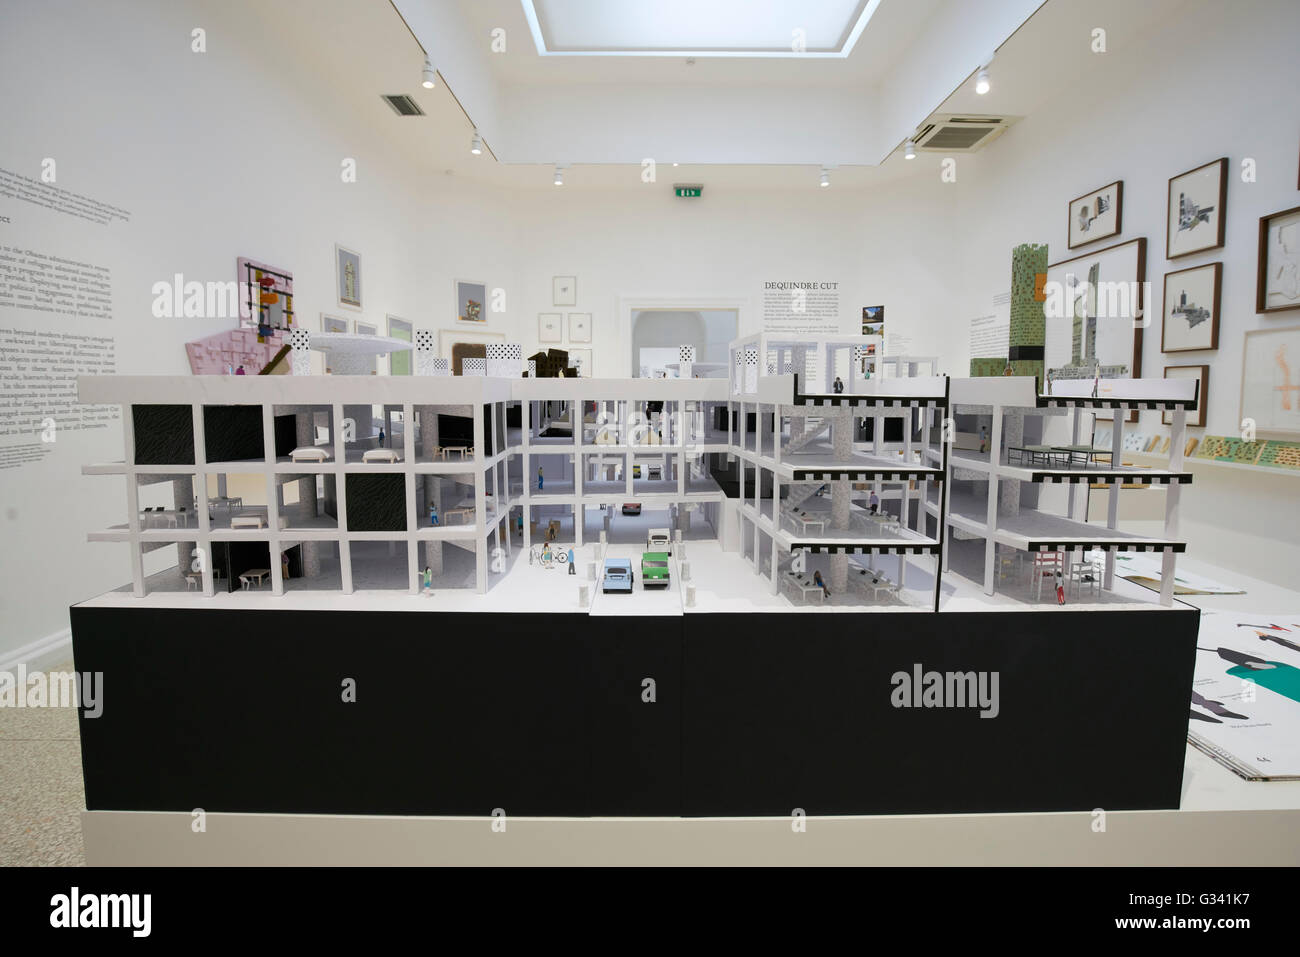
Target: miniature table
<point>1081,454</point>
<point>464,450</point>
<point>806,521</point>
<point>1047,453</point>
<point>226,501</point>
<point>248,520</point>
<point>254,575</point>
<point>805,586</point>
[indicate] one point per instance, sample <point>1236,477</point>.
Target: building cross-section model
<point>798,475</point>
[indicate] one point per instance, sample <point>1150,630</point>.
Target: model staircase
<point>801,493</point>
<point>811,432</point>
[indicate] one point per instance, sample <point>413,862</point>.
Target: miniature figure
<point>433,513</point>
<point>381,436</point>
<point>873,503</point>
<point>240,371</point>
<point>984,438</point>
<point>540,478</point>
<point>428,579</point>
<point>838,386</point>
<point>572,567</point>
<point>817,580</point>
<point>1060,588</point>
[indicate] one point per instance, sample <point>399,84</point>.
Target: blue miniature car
<point>618,575</point>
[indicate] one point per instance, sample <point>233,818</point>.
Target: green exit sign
<point>688,190</point>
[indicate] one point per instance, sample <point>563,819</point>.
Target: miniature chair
<point>1045,565</point>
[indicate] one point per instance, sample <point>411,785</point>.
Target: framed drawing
<point>579,327</point>
<point>1201,373</point>
<point>581,359</point>
<point>550,327</point>
<point>400,363</point>
<point>470,299</point>
<point>1190,320</point>
<point>873,320</point>
<point>1096,216</point>
<point>1197,208</point>
<point>347,277</point>
<point>1277,286</point>
<point>564,291</point>
<point>460,344</point>
<point>1270,380</point>
<point>266,296</point>
<point>333,323</point>
<point>365,328</point>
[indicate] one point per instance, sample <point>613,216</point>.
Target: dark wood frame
<point>1222,207</point>
<point>1261,269</point>
<point>1214,308</point>
<point>1141,303</point>
<point>1119,215</point>
<point>1202,397</point>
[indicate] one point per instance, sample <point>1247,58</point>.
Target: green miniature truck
<point>654,570</point>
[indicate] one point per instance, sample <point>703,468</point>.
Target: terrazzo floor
<point>41,792</point>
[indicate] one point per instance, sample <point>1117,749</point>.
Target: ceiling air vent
<point>960,134</point>
<point>403,105</point>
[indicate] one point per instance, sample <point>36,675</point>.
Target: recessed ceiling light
<point>910,151</point>
<point>476,144</point>
<point>982,81</point>
<point>430,75</point>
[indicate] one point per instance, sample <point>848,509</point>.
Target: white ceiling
<point>371,51</point>
<point>777,28</point>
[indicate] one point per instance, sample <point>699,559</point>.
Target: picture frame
<point>403,362</point>
<point>1277,282</point>
<point>579,327</point>
<point>330,323</point>
<point>550,327</point>
<point>873,320</point>
<point>1189,319</point>
<point>564,290</point>
<point>365,328</point>
<point>1202,373</point>
<point>1270,361</point>
<point>1096,215</point>
<point>471,301</point>
<point>1198,196</point>
<point>347,277</point>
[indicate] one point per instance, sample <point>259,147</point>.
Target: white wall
<point>1218,80</point>
<point>231,152</point>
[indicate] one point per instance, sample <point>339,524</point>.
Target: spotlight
<point>910,152</point>
<point>476,144</point>
<point>430,75</point>
<point>826,179</point>
<point>559,176</point>
<point>982,81</point>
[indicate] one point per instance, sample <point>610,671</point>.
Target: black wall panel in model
<point>232,433</point>
<point>755,714</point>
<point>635,742</point>
<point>376,502</point>
<point>1091,711</point>
<point>164,434</point>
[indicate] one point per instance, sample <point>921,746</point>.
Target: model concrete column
<point>428,447</point>
<point>183,498</point>
<point>306,435</point>
<point>1013,435</point>
<point>432,557</point>
<point>311,559</point>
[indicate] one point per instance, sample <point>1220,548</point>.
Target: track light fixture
<point>476,144</point>
<point>826,179</point>
<point>982,81</point>
<point>559,175</point>
<point>910,151</point>
<point>430,76</point>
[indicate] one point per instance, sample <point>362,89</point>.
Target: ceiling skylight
<point>698,28</point>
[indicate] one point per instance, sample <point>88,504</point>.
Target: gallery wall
<point>1216,81</point>
<point>235,151</point>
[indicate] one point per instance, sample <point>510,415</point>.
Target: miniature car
<point>618,575</point>
<point>654,570</point>
<point>308,453</point>
<point>380,455</point>
<point>658,540</point>
<point>631,508</point>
